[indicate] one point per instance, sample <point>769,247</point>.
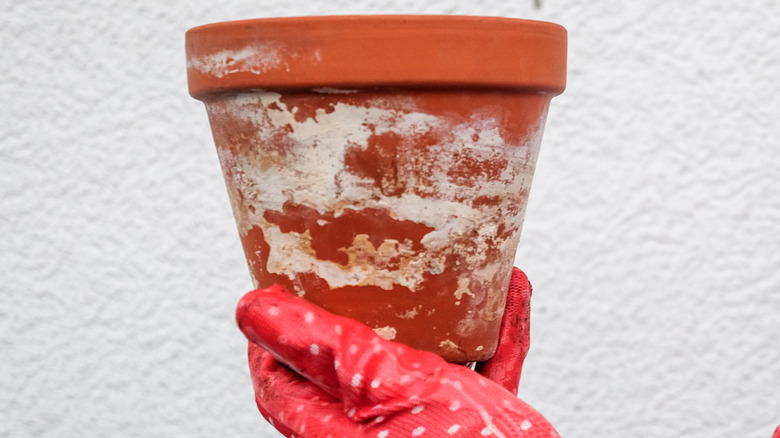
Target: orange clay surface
<point>394,196</point>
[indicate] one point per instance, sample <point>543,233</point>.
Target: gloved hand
<point>319,375</point>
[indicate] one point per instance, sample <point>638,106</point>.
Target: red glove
<point>318,375</point>
<point>777,433</point>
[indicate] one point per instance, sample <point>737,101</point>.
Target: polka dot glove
<point>318,375</point>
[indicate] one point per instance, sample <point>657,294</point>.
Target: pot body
<point>400,206</point>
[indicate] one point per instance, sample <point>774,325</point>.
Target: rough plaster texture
<point>652,235</point>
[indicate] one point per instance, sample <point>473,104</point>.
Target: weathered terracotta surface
<point>400,207</point>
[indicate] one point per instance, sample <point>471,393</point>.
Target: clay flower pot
<point>379,166</point>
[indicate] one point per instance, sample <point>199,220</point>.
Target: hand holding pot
<point>316,374</point>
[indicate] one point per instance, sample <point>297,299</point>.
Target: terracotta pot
<point>379,166</point>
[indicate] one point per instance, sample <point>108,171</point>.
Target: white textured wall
<point>652,235</point>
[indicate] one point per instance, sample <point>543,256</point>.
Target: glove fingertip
<point>519,282</point>
<point>505,367</point>
<point>253,300</point>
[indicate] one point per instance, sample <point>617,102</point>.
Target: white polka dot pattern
<point>340,379</point>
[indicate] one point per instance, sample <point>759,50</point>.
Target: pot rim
<point>376,51</point>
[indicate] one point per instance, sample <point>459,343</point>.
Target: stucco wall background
<point>652,236</point>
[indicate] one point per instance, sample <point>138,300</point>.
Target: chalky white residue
<point>409,314</point>
<point>448,344</point>
<point>328,90</point>
<point>257,59</point>
<point>463,288</point>
<point>312,173</point>
<point>387,332</point>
